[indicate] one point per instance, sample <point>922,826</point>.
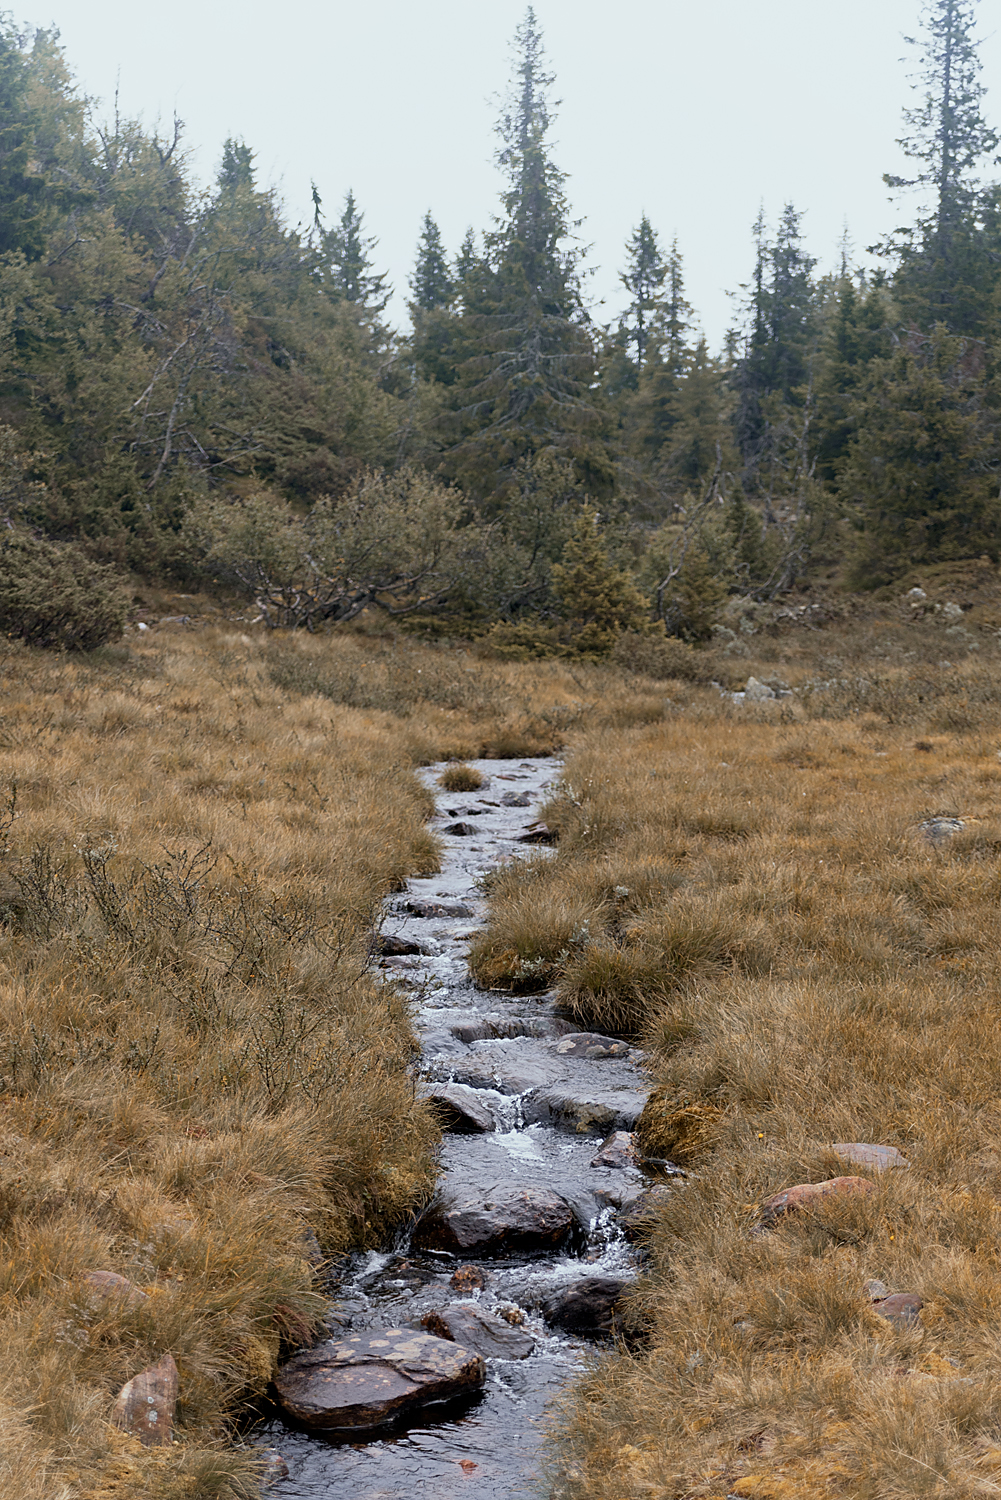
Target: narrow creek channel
<point>547,1098</point>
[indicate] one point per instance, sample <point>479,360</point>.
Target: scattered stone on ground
<point>591,1306</point>
<point>508,1216</point>
<point>476,1329</point>
<point>808,1195</point>
<point>110,1287</point>
<point>145,1405</point>
<point>594,1112</point>
<point>385,945</point>
<point>903,1309</point>
<point>516,799</point>
<point>460,830</point>
<point>757,692</point>
<point>618,1150</point>
<point>467,1278</point>
<point>491,1029</point>
<point>370,1379</point>
<point>940,830</point>
<point>876,1290</point>
<point>865,1155</point>
<point>460,1109</point>
<point>591,1045</point>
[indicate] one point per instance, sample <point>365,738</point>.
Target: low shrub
<point>53,595</point>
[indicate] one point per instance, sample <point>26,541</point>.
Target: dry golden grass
<point>749,890</point>
<point>460,778</point>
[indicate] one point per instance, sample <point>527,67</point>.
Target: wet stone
<point>476,1329</point>
<point>538,833</point>
<point>509,1216</point>
<point>639,1218</point>
<point>369,1380</point>
<point>460,830</point>
<point>589,1306</point>
<point>438,909</point>
<point>146,1404</point>
<point>516,799</point>
<point>507,1075</point>
<point>865,1155</point>
<point>467,1279</point>
<point>460,1110</point>
<point>385,945</point>
<point>591,1045</point>
<point>495,1028</point>
<point>618,1150</point>
<point>594,1112</point>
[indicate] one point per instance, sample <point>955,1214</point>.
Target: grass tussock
<point>461,779</point>
<point>757,901</point>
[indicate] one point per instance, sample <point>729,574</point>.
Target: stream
<point>551,1101</point>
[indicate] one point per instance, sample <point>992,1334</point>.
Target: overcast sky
<point>692,111</point>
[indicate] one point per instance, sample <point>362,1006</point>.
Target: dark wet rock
<point>903,1309</point>
<point>939,831</point>
<point>641,1215</point>
<point>809,1195</point>
<point>516,799</point>
<point>459,1109</point>
<point>538,833</point>
<point>468,1278</point>
<point>370,1379</point>
<point>474,1328</point>
<point>865,1155</point>
<point>592,1045</point>
<point>497,1028</point>
<point>622,1194</point>
<point>592,1112</point>
<point>385,945</point>
<point>590,1306</point>
<point>108,1286</point>
<point>460,830</point>
<point>509,1216</point>
<point>145,1405</point>
<point>438,909</point>
<point>617,1150</point>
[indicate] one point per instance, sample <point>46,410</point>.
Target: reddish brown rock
<point>363,1382</point>
<point>808,1195</point>
<point>903,1309</point>
<point>145,1404</point>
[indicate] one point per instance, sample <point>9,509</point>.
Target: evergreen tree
<point>348,262</point>
<point>237,169</point>
<point>948,259</point>
<point>467,257</point>
<point>431,283</point>
<point>596,598</point>
<point>642,279</point>
<point>524,353</point>
<point>674,314</point>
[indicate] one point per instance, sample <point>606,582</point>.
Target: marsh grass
<point>755,900</point>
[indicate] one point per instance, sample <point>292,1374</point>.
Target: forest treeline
<point>192,388</point>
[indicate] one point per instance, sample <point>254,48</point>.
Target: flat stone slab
<point>146,1404</point>
<point>865,1155</point>
<point>592,1045</point>
<point>371,1379</point>
<point>474,1328</point>
<point>507,1216</point>
<point>507,1074</point>
<point>460,1109</point>
<point>594,1112</point>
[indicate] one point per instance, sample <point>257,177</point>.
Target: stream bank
<point>528,1227</point>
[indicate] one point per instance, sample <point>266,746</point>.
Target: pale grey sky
<point>692,111</point>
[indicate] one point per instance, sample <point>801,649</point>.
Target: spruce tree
<point>597,599</point>
<point>643,279</point>
<point>431,282</point>
<point>348,263</point>
<point>237,169</point>
<point>674,314</point>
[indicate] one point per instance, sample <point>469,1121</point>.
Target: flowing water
<point>506,1048</point>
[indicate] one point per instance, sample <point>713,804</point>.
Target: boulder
<point>371,1379</point>
<point>459,1109</point>
<point>809,1195</point>
<point>865,1155</point>
<point>590,1044</point>
<point>108,1286</point>
<point>902,1309</point>
<point>585,1111</point>
<point>438,909</point>
<point>460,830</point>
<point>757,692</point>
<point>145,1405</point>
<point>385,945</point>
<point>618,1150</point>
<point>592,1305</point>
<point>507,1073</point>
<point>516,799</point>
<point>508,1216</point>
<point>476,1329</point>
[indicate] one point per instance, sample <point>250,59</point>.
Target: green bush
<point>662,657</point>
<point>52,594</point>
